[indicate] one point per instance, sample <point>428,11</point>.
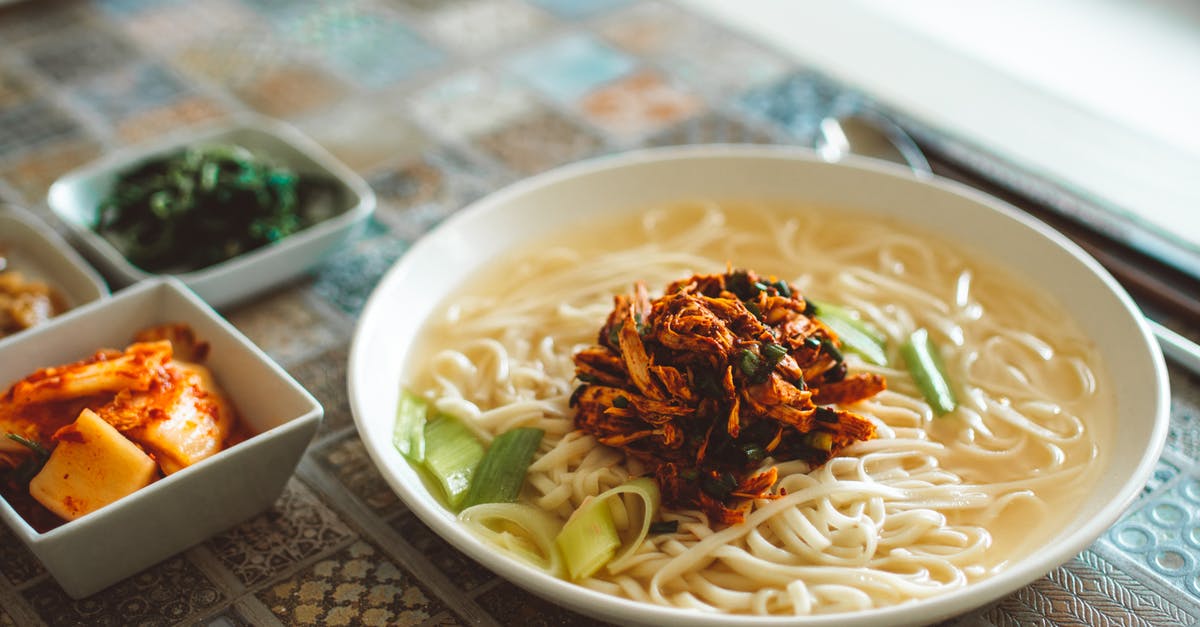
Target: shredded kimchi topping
<point>709,381</point>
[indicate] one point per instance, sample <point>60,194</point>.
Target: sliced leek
<point>408,433</point>
<point>501,473</point>
<point>589,539</point>
<point>452,453</point>
<point>522,530</point>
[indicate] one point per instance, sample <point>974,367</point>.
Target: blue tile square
<point>576,9</point>
<point>349,276</point>
<point>118,95</point>
<point>34,123</point>
<point>797,103</point>
<point>369,47</point>
<point>569,67</point>
<point>128,8</point>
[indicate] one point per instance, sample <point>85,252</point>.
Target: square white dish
<point>75,197</point>
<point>180,510</point>
<point>39,254</point>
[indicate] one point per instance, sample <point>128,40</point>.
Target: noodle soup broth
<point>931,505</point>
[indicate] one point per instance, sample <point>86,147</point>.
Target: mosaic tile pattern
<point>285,324</point>
<point>796,104</point>
<point>78,53</point>
<point>1087,591</point>
<point>483,25</point>
<point>568,67</point>
<point>324,375</point>
<point>1163,532</point>
<point>513,606</point>
<point>168,593</point>
<point>363,134</point>
<point>296,528</point>
<point>118,95</point>
<point>538,142</point>
<point>348,276</point>
<point>17,564</point>
<point>33,172</point>
<point>371,47</point>
<point>639,105</point>
<point>33,123</point>
<point>466,574</point>
<point>357,585</point>
<point>471,104</point>
<point>576,9</point>
<point>437,103</point>
<point>347,460</point>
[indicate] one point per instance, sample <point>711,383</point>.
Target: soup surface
<point>930,505</point>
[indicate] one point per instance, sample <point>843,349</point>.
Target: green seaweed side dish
<point>203,205</point>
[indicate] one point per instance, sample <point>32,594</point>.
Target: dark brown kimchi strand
<point>707,382</point>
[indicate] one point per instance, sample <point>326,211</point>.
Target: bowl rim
<point>110,165</point>
<point>314,412</point>
<point>595,603</point>
<point>49,239</point>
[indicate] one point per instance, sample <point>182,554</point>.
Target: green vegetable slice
<point>855,334</point>
<point>502,471</point>
<point>408,434</point>
<point>925,364</point>
<point>824,310</point>
<point>589,539</point>
<point>452,453</point>
<point>523,530</point>
<point>855,340</point>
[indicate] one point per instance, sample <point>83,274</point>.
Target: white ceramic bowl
<point>166,517</point>
<point>38,253</point>
<point>75,197</point>
<point>580,193</point>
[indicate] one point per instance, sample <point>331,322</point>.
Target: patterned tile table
<point>437,103</point>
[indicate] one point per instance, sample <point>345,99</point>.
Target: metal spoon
<point>871,135</point>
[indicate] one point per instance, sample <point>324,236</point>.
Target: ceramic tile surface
<point>436,103</point>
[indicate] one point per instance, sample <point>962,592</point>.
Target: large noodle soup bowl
<point>591,192</point>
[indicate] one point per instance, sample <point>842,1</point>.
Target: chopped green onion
<point>408,434</point>
<point>718,486</point>
<point>32,466</point>
<point>925,364</point>
<point>451,455</point>
<point>824,414</point>
<point>749,363</point>
<point>773,352</point>
<point>589,539</point>
<point>832,349</point>
<point>523,530</point>
<point>501,473</point>
<point>822,440</point>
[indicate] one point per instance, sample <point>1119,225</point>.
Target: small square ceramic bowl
<point>105,546</point>
<point>75,197</point>
<point>30,247</point>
